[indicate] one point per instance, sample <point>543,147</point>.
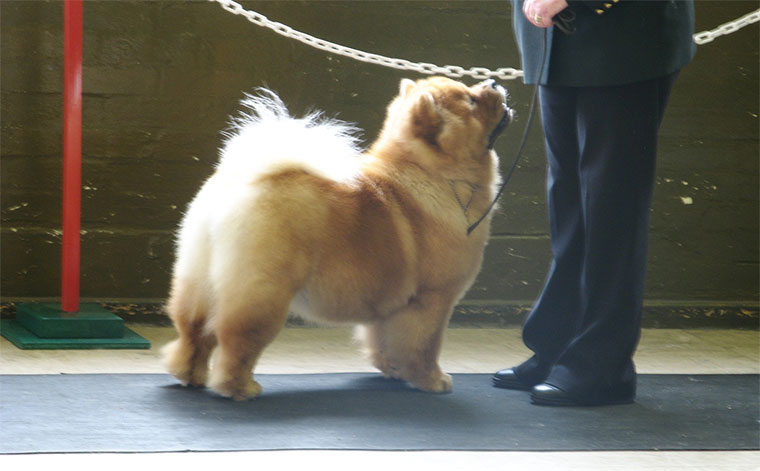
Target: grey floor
<point>477,350</point>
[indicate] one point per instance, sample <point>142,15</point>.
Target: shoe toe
<point>546,394</point>
<point>508,379</point>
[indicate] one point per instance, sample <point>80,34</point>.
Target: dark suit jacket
<point>614,43</point>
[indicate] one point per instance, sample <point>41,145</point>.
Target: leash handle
<point>523,141</point>
<point>564,21</point>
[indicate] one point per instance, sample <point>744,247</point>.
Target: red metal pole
<point>72,153</point>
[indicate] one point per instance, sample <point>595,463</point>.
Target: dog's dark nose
<point>490,83</point>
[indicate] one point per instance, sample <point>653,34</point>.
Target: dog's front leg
<point>410,342</point>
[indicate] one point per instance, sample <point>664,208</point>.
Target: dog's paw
<point>195,378</point>
<point>389,371</point>
<point>440,384</point>
<point>198,377</point>
<point>179,361</point>
<point>250,391</point>
<point>238,390</point>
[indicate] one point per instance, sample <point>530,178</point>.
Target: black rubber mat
<point>152,413</point>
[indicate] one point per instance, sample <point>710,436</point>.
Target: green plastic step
<point>45,326</point>
<point>47,320</point>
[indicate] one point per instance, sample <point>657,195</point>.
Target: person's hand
<point>541,12</point>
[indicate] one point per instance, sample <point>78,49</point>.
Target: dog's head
<point>449,117</point>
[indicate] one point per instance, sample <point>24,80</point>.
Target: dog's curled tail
<point>266,138</point>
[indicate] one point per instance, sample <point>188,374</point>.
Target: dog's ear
<point>426,119</point>
<point>405,87</point>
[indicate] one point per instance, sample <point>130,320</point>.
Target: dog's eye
<point>473,100</point>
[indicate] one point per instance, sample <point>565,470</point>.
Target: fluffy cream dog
<point>296,218</point>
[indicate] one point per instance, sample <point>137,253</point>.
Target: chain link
<point>453,71</point>
<point>727,28</point>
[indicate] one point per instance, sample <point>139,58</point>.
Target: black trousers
<point>601,145</point>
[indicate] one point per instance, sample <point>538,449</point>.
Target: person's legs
<point>618,141</point>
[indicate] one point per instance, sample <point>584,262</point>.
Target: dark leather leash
<point>564,22</point>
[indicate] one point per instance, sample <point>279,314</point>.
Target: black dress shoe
<point>507,379</point>
<point>547,395</point>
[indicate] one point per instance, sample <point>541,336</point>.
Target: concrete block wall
<point>161,79</point>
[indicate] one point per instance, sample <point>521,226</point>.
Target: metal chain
<point>504,73</point>
<point>727,28</point>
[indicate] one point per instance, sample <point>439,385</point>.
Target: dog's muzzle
<point>505,120</point>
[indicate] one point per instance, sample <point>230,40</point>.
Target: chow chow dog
<point>296,218</point>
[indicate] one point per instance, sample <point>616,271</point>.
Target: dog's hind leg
<point>245,324</point>
<point>410,342</point>
<point>187,357</point>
